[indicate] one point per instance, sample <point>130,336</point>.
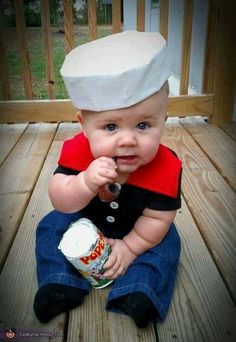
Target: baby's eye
<point>111,127</point>
<point>143,125</point>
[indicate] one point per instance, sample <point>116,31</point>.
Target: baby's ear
<point>80,118</point>
<point>81,121</point>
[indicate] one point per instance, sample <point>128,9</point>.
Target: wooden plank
<point>18,283</point>
<point>186,46</point>
<point>210,199</point>
<point>224,71</point>
<point>141,15</point>
<point>18,176</point>
<point>201,308</point>
<point>199,299</point>
<point>116,16</point>
<point>217,145</point>
<point>230,129</point>
<point>68,25</point>
<point>12,207</point>
<point>91,322</point>
<point>164,12</point>
<point>20,28</point>
<point>36,111</point>
<point>45,18</point>
<point>6,93</point>
<point>208,74</point>
<point>92,19</point>
<point>63,110</point>
<point>9,135</point>
<point>189,105</point>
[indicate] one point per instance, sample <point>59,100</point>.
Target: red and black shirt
<point>156,186</point>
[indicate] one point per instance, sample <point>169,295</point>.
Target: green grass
<point>35,47</point>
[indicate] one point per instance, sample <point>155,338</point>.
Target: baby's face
<point>131,135</point>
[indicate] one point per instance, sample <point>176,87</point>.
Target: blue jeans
<point>153,272</point>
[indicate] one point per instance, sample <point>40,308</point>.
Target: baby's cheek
<point>100,149</point>
<point>150,151</point>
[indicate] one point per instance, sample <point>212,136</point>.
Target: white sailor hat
<point>116,71</point>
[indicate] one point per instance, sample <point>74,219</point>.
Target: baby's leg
<point>144,292</point>
<point>138,306</point>
<point>61,287</point>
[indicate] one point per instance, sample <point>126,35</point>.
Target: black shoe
<point>138,306</point>
<point>53,299</point>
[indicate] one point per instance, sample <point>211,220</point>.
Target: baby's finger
<point>111,272</point>
<point>109,162</point>
<point>114,273</point>
<point>110,262</point>
<point>107,172</point>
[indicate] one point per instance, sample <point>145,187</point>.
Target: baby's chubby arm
<point>70,193</point>
<point>148,231</point>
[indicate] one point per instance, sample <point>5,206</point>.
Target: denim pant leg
<point>153,273</point>
<point>52,266</point>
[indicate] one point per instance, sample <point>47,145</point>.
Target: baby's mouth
<point>129,160</point>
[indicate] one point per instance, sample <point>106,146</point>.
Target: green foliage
<point>8,15</point>
<point>32,19</point>
<point>35,47</point>
<point>32,13</point>
<point>104,14</point>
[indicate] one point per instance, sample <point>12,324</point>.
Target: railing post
<point>186,46</point>
<point>46,27</point>
<point>164,12</point>
<point>92,19</point>
<point>6,92</point>
<point>140,15</point>
<point>224,72</point>
<point>21,36</point>
<point>207,83</point>
<point>68,25</point>
<point>116,16</point>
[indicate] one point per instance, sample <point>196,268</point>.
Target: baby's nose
<point>127,139</point>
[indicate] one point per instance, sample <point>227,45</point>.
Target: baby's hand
<point>100,172</point>
<point>119,260</point>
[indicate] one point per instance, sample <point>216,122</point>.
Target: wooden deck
<point>203,306</point>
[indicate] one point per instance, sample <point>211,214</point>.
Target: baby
<point>120,85</point>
